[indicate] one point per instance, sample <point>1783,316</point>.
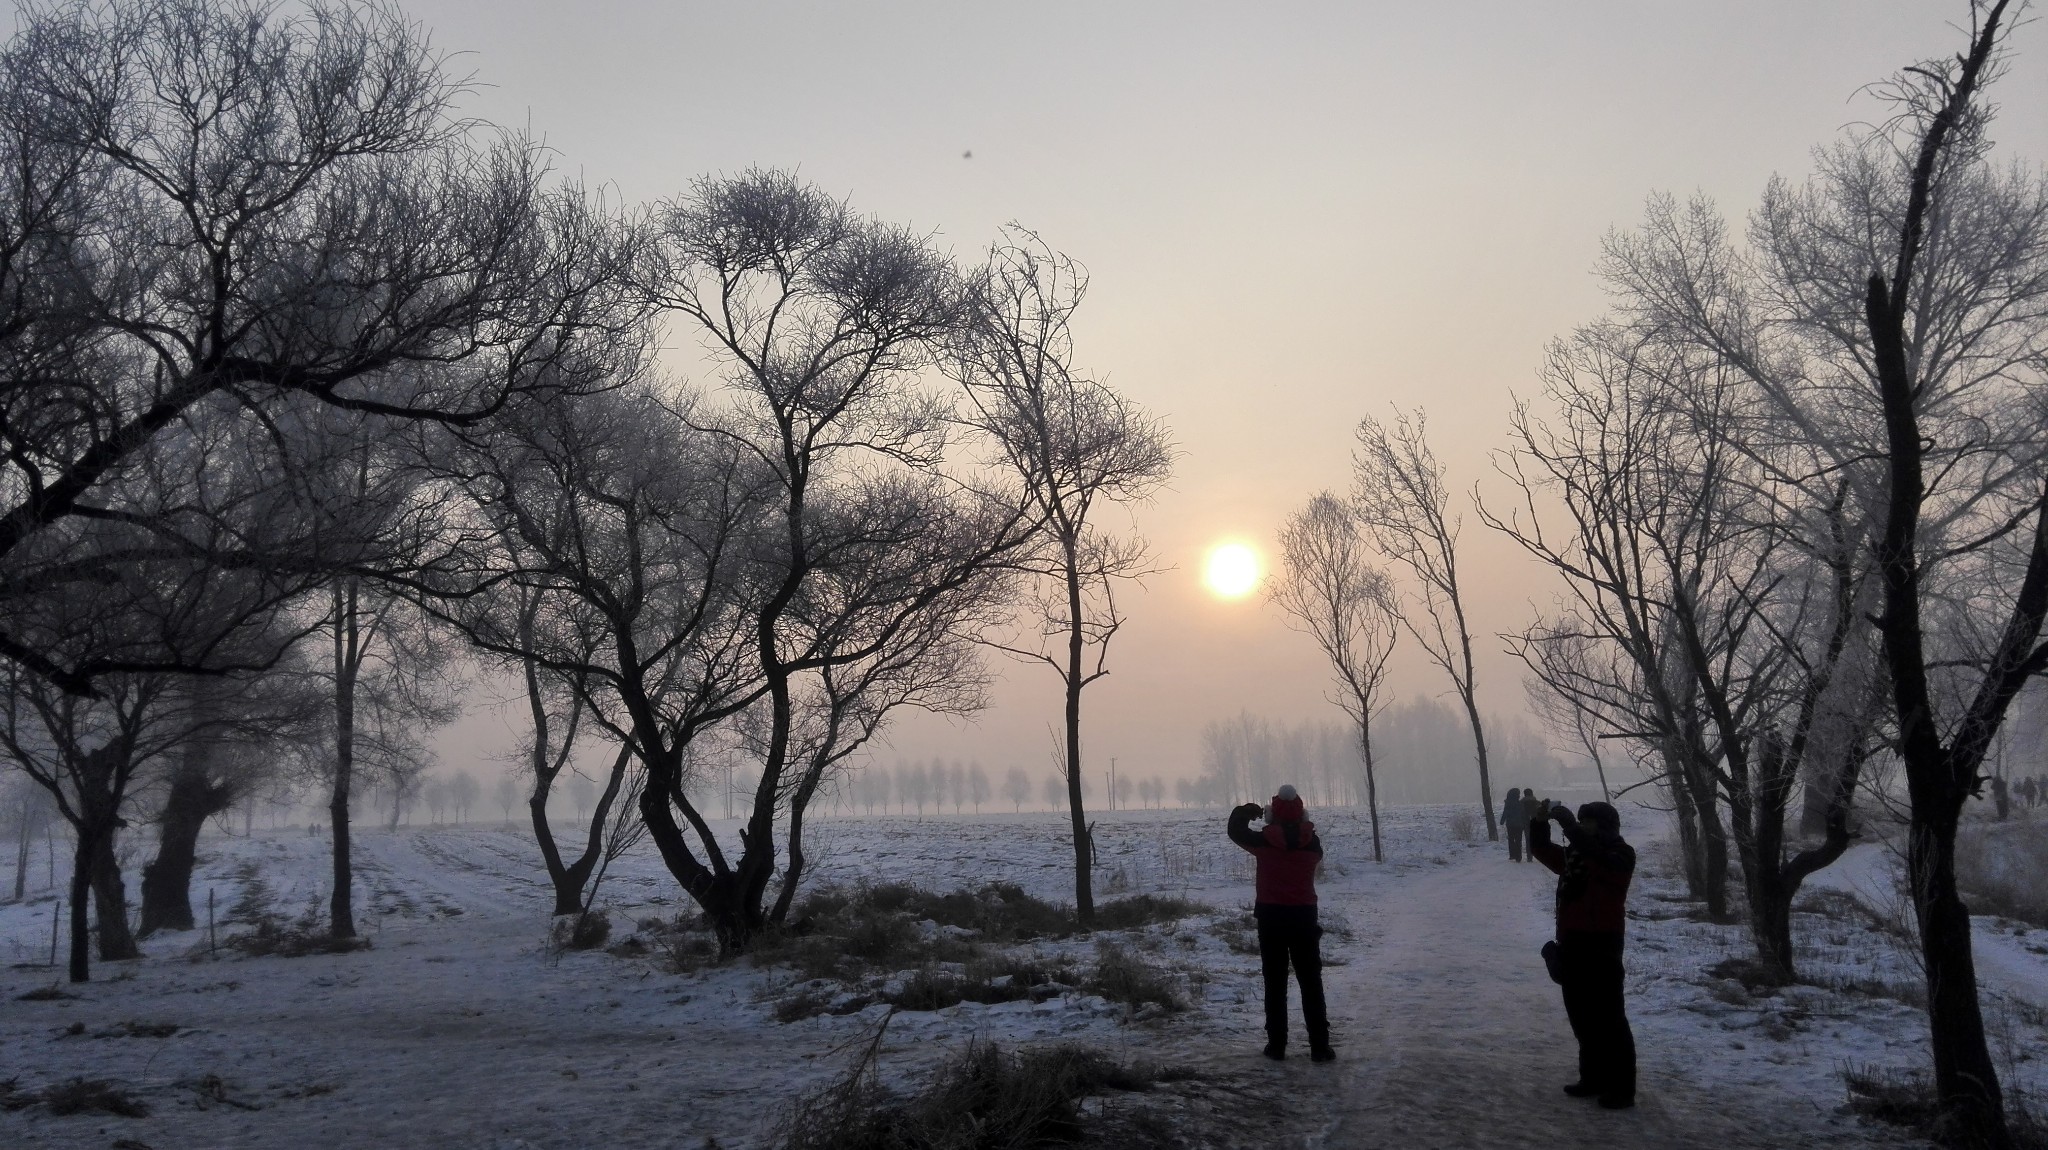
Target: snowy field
<point>460,1027</point>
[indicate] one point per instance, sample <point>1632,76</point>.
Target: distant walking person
<point>1285,907</point>
<point>1516,821</point>
<point>1593,872</point>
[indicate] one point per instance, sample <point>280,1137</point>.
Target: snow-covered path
<point>1451,1035</point>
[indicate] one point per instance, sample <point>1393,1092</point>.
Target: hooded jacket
<point>1593,870</point>
<point>1287,849</point>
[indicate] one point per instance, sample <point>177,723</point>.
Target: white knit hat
<point>1287,791</point>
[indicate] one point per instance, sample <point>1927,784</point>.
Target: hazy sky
<point>1295,215</point>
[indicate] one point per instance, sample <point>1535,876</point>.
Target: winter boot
<point>1277,1051</point>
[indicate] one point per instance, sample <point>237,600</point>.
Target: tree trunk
<point>1084,884</point>
<point>341,919</point>
<point>1770,901</point>
<point>1964,1077</point>
<point>167,880</point>
<point>21,851</point>
<point>110,904</point>
<point>1692,849</point>
<point>1714,837</point>
<point>1372,787</point>
<point>81,895</point>
<point>569,879</point>
<point>1479,745</point>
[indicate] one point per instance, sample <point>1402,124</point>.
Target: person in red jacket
<point>1285,907</point>
<point>1593,872</point>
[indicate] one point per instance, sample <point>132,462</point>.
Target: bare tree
<point>609,540</point>
<point>1076,445</point>
<point>822,322</point>
<point>244,732</point>
<point>1017,787</point>
<point>29,810</point>
<point>1400,495</point>
<point>321,228</point>
<point>1331,591</point>
<point>506,791</point>
<point>1730,598</point>
<point>387,671</point>
<point>2003,542</point>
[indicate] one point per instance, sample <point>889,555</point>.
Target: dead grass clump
<point>133,1029</point>
<point>1752,974</point>
<point>806,1003</point>
<point>686,951</point>
<point>1905,993</point>
<point>1005,979</point>
<point>1120,975</point>
<point>982,1099</point>
<point>93,1095</point>
<point>1892,1095</point>
<point>845,932</point>
<point>1464,828</point>
<point>274,937</point>
<point>50,993</point>
<point>1144,910</point>
<point>587,931</point>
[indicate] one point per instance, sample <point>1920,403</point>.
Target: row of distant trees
<point>1794,489</point>
<point>318,394</point>
<point>1418,744</point>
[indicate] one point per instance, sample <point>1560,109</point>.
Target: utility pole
<point>1112,782</point>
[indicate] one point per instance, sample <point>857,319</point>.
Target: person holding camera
<point>1288,853</point>
<point>1593,870</point>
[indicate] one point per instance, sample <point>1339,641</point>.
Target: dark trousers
<point>1591,966</point>
<point>1515,843</point>
<point>1288,935</point>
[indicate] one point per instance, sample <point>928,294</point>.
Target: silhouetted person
<point>1515,820</point>
<point>1285,907</point>
<point>2001,797</point>
<point>1593,872</point>
<point>1532,808</point>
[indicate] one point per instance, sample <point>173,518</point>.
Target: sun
<point>1231,571</point>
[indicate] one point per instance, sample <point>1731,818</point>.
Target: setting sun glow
<point>1231,571</point>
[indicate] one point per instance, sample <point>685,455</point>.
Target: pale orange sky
<point>1295,214</point>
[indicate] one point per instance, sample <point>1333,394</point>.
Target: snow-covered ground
<point>459,1028</point>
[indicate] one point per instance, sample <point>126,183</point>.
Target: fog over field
<point>914,575</point>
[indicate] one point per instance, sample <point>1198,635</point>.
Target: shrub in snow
<point>93,1095</point>
<point>587,931</point>
<point>1143,910</point>
<point>1122,976</point>
<point>984,1097</point>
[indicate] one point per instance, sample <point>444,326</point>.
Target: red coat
<point>1593,876</point>
<point>1287,863</point>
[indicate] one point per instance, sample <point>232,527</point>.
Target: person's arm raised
<point>1240,827</point>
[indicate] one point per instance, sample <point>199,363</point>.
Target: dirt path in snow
<point>1452,1036</point>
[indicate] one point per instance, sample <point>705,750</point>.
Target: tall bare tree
<point>610,540</point>
<point>1936,149</point>
<point>822,323</point>
<point>1400,495</point>
<point>1332,592</point>
<point>1077,445</point>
